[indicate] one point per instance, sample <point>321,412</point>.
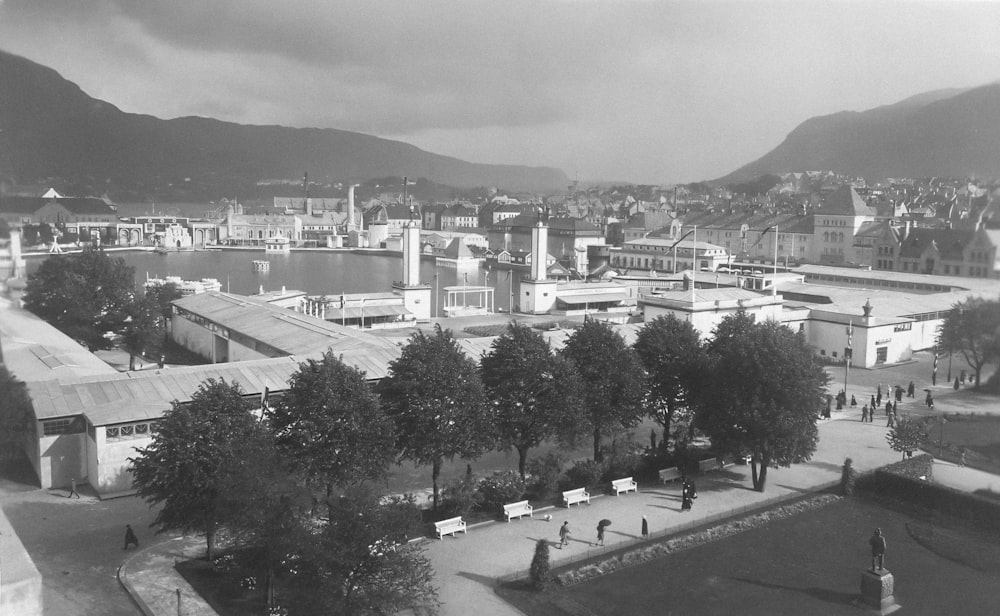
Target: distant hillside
<point>50,128</point>
<point>941,133</point>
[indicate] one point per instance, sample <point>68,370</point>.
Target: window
<point>66,425</point>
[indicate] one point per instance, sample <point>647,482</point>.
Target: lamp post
<point>437,300</point>
<point>941,436</point>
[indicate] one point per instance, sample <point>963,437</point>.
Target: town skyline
<point>639,92</point>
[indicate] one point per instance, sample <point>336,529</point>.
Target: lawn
<point>810,563</point>
<point>978,434</point>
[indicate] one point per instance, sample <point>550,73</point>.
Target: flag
<point>935,361</point>
<point>850,334</point>
<point>762,234</point>
<point>263,398</point>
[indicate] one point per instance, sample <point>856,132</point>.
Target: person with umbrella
<point>600,530</point>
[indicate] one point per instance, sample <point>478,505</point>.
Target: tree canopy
<point>612,379</point>
<point>84,295</point>
<point>15,415</point>
<point>906,435</point>
<point>774,388</point>
<point>972,330</point>
<point>186,466</point>
<point>671,352</point>
<point>435,397</point>
<point>330,426</point>
<point>532,389</point>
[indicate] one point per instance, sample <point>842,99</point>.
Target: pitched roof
<point>21,205</point>
<point>845,201</point>
<point>950,243</point>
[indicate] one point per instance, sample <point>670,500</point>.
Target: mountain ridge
<point>948,132</point>
<point>50,127</point>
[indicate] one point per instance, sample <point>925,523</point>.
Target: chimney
<point>350,206</point>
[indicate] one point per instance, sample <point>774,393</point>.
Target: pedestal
<point>876,592</point>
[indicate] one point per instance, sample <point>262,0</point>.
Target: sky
<point>625,90</point>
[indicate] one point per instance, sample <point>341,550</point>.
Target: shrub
<point>583,473</point>
<point>623,459</point>
<point>541,568</point>
<point>544,474</point>
<point>459,498</point>
<point>498,489</point>
<point>847,477</point>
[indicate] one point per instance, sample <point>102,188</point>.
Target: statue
<point>877,542</point>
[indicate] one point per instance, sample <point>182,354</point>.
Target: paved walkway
<point>467,567</point>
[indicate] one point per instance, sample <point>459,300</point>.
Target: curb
<point>127,584</point>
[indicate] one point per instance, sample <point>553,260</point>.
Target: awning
<point>593,298</point>
<point>368,312</point>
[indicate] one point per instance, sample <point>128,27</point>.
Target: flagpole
<point>774,281</point>
<point>850,353</point>
<point>694,264</point>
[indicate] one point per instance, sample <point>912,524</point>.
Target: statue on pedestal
<point>877,542</point>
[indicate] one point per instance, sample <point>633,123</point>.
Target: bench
<point>576,496</point>
<point>450,527</point>
<point>516,510</point>
<point>709,464</point>
<point>669,474</point>
<point>624,485</point>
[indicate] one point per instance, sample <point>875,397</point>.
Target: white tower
<point>416,296</point>
<point>538,295</point>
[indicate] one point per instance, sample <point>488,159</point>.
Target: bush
<point>847,477</point>
<point>498,489</point>
<point>583,474</point>
<point>541,568</point>
<point>623,459</point>
<point>544,474</point>
<point>459,498</point>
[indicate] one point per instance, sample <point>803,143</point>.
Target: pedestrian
<point>645,527</point>
<point>564,533</point>
<point>961,457</point>
<point>877,542</point>
<point>879,386</point>
<point>873,405</point>
<point>72,488</point>
<point>864,413</point>
<point>929,400</point>
<point>888,407</point>
<point>600,534</point>
<point>899,394</point>
<point>895,407</point>
<point>130,538</point>
<point>854,401</point>
<point>878,397</point>
<point>687,494</point>
<point>890,416</point>
<point>956,383</point>
<point>910,389</point>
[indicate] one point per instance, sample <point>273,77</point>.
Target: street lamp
<point>941,436</point>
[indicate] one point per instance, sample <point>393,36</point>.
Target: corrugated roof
<point>290,332</point>
<point>592,298</point>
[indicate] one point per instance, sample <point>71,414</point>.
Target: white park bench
<point>709,464</point>
<point>450,527</point>
<point>576,496</point>
<point>624,485</point>
<point>669,474</point>
<point>516,510</point>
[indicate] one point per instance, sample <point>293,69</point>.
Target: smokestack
<point>350,206</point>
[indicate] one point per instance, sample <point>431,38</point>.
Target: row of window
<point>833,237</point>
<point>130,431</point>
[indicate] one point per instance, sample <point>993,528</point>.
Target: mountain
<point>952,133</point>
<point>50,128</point>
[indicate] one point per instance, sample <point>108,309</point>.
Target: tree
<point>15,415</point>
<point>613,386</point>
<point>541,569</point>
<point>671,352</point>
<point>434,396</point>
<point>185,467</point>
<point>906,435</point>
<point>774,388</point>
<point>532,390</point>
<point>364,563</point>
<point>972,329</point>
<point>330,426</point>
<point>159,298</point>
<point>84,295</point>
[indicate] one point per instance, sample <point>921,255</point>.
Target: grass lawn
<point>978,434</point>
<point>810,563</point>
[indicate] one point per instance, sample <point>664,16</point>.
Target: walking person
<point>929,400</point>
<point>130,538</point>
<point>872,405</point>
<point>888,407</point>
<point>645,527</point>
<point>910,389</point>
<point>890,417</point>
<point>600,530</point>
<point>72,488</point>
<point>564,533</point>
<point>864,413</point>
<point>878,397</point>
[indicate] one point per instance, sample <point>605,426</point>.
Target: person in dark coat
<point>645,527</point>
<point>929,400</point>
<point>878,398</point>
<point>888,407</point>
<point>872,404</point>
<point>130,538</point>
<point>864,413</point>
<point>687,494</point>
<point>910,389</point>
<point>877,542</point>
<point>854,401</point>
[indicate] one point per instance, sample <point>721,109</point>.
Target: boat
<point>186,287</point>
<point>261,265</point>
<point>277,245</point>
